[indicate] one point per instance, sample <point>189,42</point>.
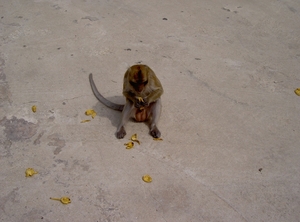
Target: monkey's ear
<point>126,75</point>
<point>147,68</point>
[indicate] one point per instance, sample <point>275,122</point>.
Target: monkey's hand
<point>145,102</point>
<point>140,102</point>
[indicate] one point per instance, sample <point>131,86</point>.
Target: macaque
<point>142,90</point>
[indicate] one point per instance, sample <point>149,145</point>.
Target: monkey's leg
<point>126,114</point>
<point>155,111</point>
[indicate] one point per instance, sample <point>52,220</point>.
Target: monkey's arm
<point>130,96</point>
<point>156,90</point>
<point>154,95</point>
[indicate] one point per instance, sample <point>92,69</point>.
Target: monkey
<point>142,90</point>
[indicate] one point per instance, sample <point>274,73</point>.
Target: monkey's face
<point>138,86</point>
<point>139,78</point>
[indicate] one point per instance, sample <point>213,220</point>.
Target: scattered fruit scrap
<point>33,108</point>
<point>129,145</point>
<point>140,99</point>
<point>64,200</point>
<point>146,178</point>
<point>158,139</point>
<point>30,172</point>
<point>91,112</point>
<point>85,121</point>
<point>297,91</point>
<point>134,138</point>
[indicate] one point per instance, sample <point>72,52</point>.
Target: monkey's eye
<point>134,84</point>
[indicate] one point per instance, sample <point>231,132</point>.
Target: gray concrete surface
<point>230,122</point>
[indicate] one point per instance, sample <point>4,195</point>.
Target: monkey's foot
<point>121,133</point>
<point>155,132</point>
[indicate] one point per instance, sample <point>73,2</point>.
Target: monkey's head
<point>138,77</point>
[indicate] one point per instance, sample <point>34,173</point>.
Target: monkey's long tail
<point>101,98</point>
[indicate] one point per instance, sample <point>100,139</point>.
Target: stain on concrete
<point>2,62</point>
<point>34,215</point>
<point>108,209</point>
<point>10,197</point>
<point>37,140</point>
<point>172,198</point>
<point>215,91</point>
<point>57,7</point>
<point>5,93</point>
<point>269,79</point>
<point>76,165</point>
<point>84,167</point>
<point>2,75</point>
<point>292,9</point>
<point>51,119</point>
<point>61,180</point>
<point>64,162</point>
<point>5,150</point>
<point>18,129</point>
<point>57,141</point>
<point>14,24</point>
<point>92,19</point>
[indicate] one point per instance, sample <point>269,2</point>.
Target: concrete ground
<point>230,122</point>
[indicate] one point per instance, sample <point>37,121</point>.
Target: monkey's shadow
<point>113,115</point>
